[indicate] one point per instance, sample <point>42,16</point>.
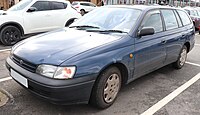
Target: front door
<point>150,52</point>
<point>39,20</point>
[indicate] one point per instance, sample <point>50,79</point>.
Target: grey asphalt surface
<point>133,99</point>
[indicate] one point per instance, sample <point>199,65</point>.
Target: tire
<point>10,35</point>
<point>106,88</point>
<point>181,59</point>
<point>82,12</point>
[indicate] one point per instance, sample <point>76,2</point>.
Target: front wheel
<point>106,88</point>
<point>10,35</point>
<point>181,59</point>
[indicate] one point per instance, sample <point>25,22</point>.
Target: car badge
<point>21,62</point>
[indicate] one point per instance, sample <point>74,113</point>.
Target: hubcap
<point>183,57</point>
<point>111,88</point>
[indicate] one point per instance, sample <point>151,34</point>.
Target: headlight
<point>56,72</point>
<point>65,72</point>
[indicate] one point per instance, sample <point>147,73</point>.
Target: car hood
<point>58,46</point>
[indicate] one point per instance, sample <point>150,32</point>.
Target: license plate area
<point>22,80</point>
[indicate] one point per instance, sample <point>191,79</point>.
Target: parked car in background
<point>194,16</point>
<point>92,59</point>
<point>83,7</point>
<point>34,16</point>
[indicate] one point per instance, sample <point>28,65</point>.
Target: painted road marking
<point>172,95</point>
<point>197,44</point>
<point>5,79</point>
<point>5,50</point>
<point>193,64</point>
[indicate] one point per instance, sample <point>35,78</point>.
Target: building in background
<point>5,4</point>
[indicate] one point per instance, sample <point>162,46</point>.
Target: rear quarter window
<point>184,17</point>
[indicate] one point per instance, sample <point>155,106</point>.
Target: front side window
<point>41,6</point>
<point>153,19</point>
<point>58,5</point>
<point>169,19</point>
<point>184,17</point>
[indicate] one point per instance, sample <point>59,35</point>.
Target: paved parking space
<point>135,98</point>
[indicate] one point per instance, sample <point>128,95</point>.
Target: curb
<point>5,97</point>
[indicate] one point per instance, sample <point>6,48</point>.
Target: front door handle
<point>163,42</point>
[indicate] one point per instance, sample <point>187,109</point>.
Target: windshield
<point>105,18</point>
<point>21,5</point>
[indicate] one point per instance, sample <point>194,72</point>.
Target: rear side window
<point>184,17</point>
<point>178,19</point>
<point>92,5</point>
<point>58,5</point>
<point>85,4</point>
<point>169,19</point>
<point>42,5</point>
<point>74,3</point>
<point>153,19</point>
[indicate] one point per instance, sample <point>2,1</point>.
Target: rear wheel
<point>10,35</point>
<point>181,59</point>
<point>82,12</point>
<point>106,88</point>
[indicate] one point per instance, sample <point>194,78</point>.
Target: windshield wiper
<point>84,26</point>
<point>117,31</point>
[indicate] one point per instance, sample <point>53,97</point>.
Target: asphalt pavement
<point>156,90</point>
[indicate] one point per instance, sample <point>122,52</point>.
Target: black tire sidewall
<point>2,32</point>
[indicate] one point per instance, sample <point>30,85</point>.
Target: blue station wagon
<point>90,60</point>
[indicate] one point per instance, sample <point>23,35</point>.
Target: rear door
<point>175,34</point>
<point>150,50</point>
<point>59,14</point>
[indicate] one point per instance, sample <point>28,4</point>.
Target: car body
<point>34,16</point>
<point>83,7</point>
<point>194,16</point>
<point>95,56</point>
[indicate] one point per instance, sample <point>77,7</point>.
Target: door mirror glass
<point>32,9</point>
<point>146,31</point>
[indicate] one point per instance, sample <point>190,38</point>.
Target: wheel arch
<point>68,21</point>
<point>123,70</point>
<point>13,24</point>
<point>187,44</point>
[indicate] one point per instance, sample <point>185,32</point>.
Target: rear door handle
<point>163,42</point>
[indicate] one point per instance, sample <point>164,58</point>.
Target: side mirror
<point>32,9</point>
<point>146,31</point>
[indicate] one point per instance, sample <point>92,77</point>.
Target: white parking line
<point>5,50</point>
<point>172,95</point>
<point>5,79</point>
<point>197,44</point>
<point>193,64</point>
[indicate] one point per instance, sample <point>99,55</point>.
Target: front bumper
<point>70,91</point>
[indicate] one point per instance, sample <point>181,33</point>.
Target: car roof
<point>66,1</point>
<point>81,2</point>
<point>142,7</point>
